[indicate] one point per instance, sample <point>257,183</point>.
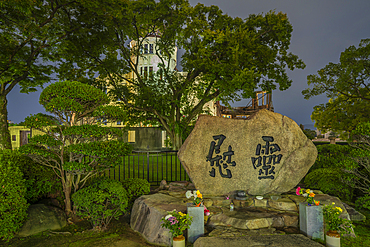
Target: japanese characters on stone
<point>266,163</point>
<point>222,162</point>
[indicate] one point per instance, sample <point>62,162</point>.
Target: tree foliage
<point>341,115</point>
<point>67,143</point>
<point>223,55</point>
<point>359,167</point>
<point>347,85</point>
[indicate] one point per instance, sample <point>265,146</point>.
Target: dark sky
<point>321,31</point>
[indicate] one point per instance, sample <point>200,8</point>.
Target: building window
<point>151,72</point>
<point>146,48</point>
<point>145,72</point>
<point>151,48</point>
<point>131,136</point>
<point>14,138</point>
<point>141,70</point>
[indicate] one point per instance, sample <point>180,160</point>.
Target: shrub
<point>41,181</point>
<point>328,180</point>
<point>327,172</point>
<point>135,187</point>
<point>13,205</point>
<point>101,201</point>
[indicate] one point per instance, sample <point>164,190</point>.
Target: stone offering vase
<point>311,221</point>
<point>332,239</point>
<point>178,241</point>
<point>196,229</point>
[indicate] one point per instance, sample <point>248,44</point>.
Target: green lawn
<point>362,231</point>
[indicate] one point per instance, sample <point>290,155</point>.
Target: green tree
<point>309,133</point>
<point>223,56</point>
<point>67,143</point>
<point>347,85</point>
<point>359,165</point>
<point>34,41</point>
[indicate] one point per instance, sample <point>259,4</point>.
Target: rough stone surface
<point>353,214</point>
<point>253,218</point>
<point>283,204</point>
<point>291,240</point>
<point>146,215</point>
<point>41,218</point>
<point>242,136</point>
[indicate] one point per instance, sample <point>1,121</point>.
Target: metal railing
<point>154,166</point>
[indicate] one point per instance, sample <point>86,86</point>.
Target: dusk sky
<point>321,31</point>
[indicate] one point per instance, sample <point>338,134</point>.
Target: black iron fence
<point>153,166</point>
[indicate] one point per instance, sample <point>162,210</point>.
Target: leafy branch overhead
<point>222,56</point>
<point>347,85</point>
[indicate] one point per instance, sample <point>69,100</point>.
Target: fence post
<point>147,164</point>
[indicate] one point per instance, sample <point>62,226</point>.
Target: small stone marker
<point>265,153</point>
<point>311,221</point>
<point>196,229</point>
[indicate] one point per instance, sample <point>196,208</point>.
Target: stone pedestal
<point>311,221</point>
<point>196,229</point>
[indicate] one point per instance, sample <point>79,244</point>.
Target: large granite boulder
<point>146,215</point>
<point>265,153</point>
<point>41,218</point>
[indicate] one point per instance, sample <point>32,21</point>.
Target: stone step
<point>290,240</point>
<point>224,231</point>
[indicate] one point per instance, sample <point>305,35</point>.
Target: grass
<point>119,233</point>
<point>362,231</point>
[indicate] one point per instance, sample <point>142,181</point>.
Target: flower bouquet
<point>206,211</point>
<point>333,221</point>
<point>176,222</point>
<point>198,197</point>
<point>309,196</point>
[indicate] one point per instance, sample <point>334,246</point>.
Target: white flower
<point>188,194</point>
<point>195,194</point>
<point>168,216</point>
<point>305,195</point>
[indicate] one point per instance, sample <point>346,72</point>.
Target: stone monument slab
<point>265,153</point>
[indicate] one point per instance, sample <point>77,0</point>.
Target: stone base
<point>291,240</point>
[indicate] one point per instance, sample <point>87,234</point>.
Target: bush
<point>328,180</point>
<point>135,187</point>
<point>13,205</point>
<point>101,201</point>
<point>41,181</point>
<point>327,174</point>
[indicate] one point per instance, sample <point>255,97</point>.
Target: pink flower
<point>298,190</point>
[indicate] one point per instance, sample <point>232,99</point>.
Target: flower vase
<point>311,221</point>
<point>178,241</point>
<point>332,239</point>
<point>196,229</point>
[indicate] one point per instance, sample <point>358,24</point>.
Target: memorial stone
<point>265,153</point>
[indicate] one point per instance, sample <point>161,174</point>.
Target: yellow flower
<point>333,202</point>
<point>308,191</point>
<point>199,194</point>
<point>182,214</point>
<point>339,209</point>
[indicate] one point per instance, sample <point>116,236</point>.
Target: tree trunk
<point>5,141</point>
<point>67,188</point>
<point>177,142</point>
